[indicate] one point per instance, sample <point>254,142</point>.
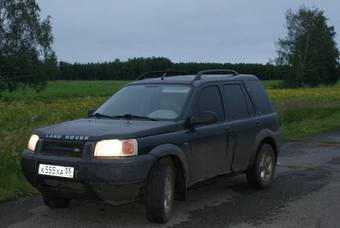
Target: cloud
<point>188,30</point>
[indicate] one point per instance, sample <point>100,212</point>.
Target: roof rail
<point>161,74</point>
<point>215,71</point>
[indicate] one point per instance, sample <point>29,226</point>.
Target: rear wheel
<point>56,202</point>
<point>159,192</point>
<point>261,173</point>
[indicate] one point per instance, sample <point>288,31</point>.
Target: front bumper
<point>115,181</point>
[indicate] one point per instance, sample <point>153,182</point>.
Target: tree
<point>26,56</point>
<point>309,49</point>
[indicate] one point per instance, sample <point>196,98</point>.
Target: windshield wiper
<point>130,116</point>
<point>102,115</point>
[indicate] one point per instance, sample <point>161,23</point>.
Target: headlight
<point>116,148</point>
<point>32,142</point>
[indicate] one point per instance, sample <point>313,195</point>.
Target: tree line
<point>307,56</point>
<point>132,68</point>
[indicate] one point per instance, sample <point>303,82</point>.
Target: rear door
<point>241,117</point>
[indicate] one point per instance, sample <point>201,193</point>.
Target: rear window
<point>260,97</point>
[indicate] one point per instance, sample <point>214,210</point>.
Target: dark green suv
<point>156,137</point>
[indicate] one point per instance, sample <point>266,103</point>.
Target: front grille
<point>62,148</point>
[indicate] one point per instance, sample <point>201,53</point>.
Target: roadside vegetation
<point>307,111</point>
<point>303,112</point>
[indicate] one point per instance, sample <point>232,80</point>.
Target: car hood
<point>97,129</point>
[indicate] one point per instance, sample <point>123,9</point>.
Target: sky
<point>183,30</point>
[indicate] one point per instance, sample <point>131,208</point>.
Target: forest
<point>130,69</point>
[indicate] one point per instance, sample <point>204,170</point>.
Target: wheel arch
<point>179,160</point>
<point>269,137</point>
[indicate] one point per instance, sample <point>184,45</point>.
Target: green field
<point>302,112</point>
<point>63,89</point>
<point>270,84</point>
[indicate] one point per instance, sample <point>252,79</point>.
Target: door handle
<point>258,122</point>
<point>227,129</point>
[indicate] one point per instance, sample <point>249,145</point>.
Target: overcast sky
<point>182,30</point>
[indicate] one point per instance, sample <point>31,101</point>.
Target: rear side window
<point>261,99</point>
<point>235,101</point>
<point>251,107</point>
<point>210,100</point>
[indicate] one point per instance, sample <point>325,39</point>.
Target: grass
<point>63,89</point>
<point>24,110</point>
<point>18,119</point>
<point>270,84</point>
<point>307,111</point>
<point>302,112</point>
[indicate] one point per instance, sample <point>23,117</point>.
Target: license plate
<point>56,171</point>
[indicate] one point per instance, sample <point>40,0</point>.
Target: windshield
<point>154,101</point>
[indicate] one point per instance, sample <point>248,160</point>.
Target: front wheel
<point>159,192</point>
<point>261,173</point>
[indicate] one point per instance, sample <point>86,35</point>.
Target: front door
<point>209,143</point>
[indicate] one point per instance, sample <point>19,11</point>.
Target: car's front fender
<point>172,150</point>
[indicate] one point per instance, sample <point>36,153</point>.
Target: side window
<point>235,101</point>
<point>210,100</point>
<point>262,101</point>
<point>251,107</point>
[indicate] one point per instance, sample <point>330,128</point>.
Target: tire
<point>56,202</point>
<point>159,192</point>
<point>261,173</point>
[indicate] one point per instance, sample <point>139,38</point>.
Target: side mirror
<point>205,117</point>
<point>91,111</point>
